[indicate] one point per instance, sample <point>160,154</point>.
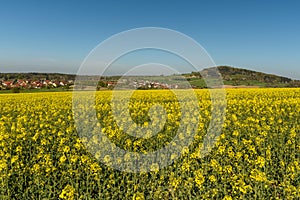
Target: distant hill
<point>231,76</point>
<point>36,76</point>
<point>243,77</point>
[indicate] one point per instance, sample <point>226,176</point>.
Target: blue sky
<point>57,35</point>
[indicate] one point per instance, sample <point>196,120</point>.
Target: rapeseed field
<point>257,155</point>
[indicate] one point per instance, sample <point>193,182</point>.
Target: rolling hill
<point>243,77</point>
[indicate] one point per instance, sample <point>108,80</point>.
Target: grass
<point>35,90</point>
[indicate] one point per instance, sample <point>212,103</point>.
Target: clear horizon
<point>56,36</point>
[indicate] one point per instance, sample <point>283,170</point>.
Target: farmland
<point>257,155</point>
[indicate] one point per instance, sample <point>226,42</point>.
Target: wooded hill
<point>243,77</point>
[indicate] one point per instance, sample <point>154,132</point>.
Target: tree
<point>101,84</point>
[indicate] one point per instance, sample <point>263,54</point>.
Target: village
<point>140,84</point>
<point>24,84</point>
<point>34,84</point>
